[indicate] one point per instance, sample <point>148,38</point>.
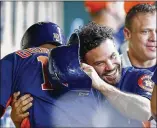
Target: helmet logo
<point>56,36</point>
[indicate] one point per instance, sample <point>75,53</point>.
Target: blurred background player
<point>109,14</point>
<point>140,33</point>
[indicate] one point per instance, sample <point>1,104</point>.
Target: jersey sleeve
<point>6,80</point>
<point>154,77</point>
<point>144,83</point>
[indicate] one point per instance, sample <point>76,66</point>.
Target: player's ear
<point>127,33</point>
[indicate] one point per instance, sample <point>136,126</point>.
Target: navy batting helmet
<point>43,33</point>
<point>64,69</point>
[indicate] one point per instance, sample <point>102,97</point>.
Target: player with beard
<point>97,49</point>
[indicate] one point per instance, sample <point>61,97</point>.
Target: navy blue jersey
<point>152,69</point>
<point>137,81</point>
<point>154,77</point>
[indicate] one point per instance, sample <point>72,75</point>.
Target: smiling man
<point>140,32</point>
<point>107,70</point>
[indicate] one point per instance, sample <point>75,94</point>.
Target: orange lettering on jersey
<point>34,50</point>
<point>37,50</point>
<point>23,53</point>
<point>28,52</point>
<point>46,85</point>
<point>45,50</point>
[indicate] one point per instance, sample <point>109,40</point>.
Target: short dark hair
<point>140,8</point>
<point>92,35</point>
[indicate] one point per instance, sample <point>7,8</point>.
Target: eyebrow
<point>146,29</point>
<point>102,61</point>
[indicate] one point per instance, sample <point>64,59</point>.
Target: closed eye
<point>99,63</point>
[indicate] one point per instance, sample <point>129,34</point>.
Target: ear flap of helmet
<point>74,39</point>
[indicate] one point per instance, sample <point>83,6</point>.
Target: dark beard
<point>118,78</point>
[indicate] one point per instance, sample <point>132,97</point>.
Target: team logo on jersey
<point>146,83</point>
<point>56,36</point>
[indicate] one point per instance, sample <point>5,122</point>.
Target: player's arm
<point>20,105</point>
<point>132,105</point>
<point>154,95</point>
<point>6,82</point>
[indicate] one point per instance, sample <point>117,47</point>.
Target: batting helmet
<point>64,69</point>
<point>43,33</point>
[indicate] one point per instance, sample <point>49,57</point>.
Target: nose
<point>109,65</point>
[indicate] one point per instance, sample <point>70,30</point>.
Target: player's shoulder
<point>25,54</point>
<point>132,70</point>
<point>137,74</point>
<point>9,56</point>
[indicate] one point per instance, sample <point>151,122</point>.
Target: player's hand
<point>90,71</point>
<point>20,107</point>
